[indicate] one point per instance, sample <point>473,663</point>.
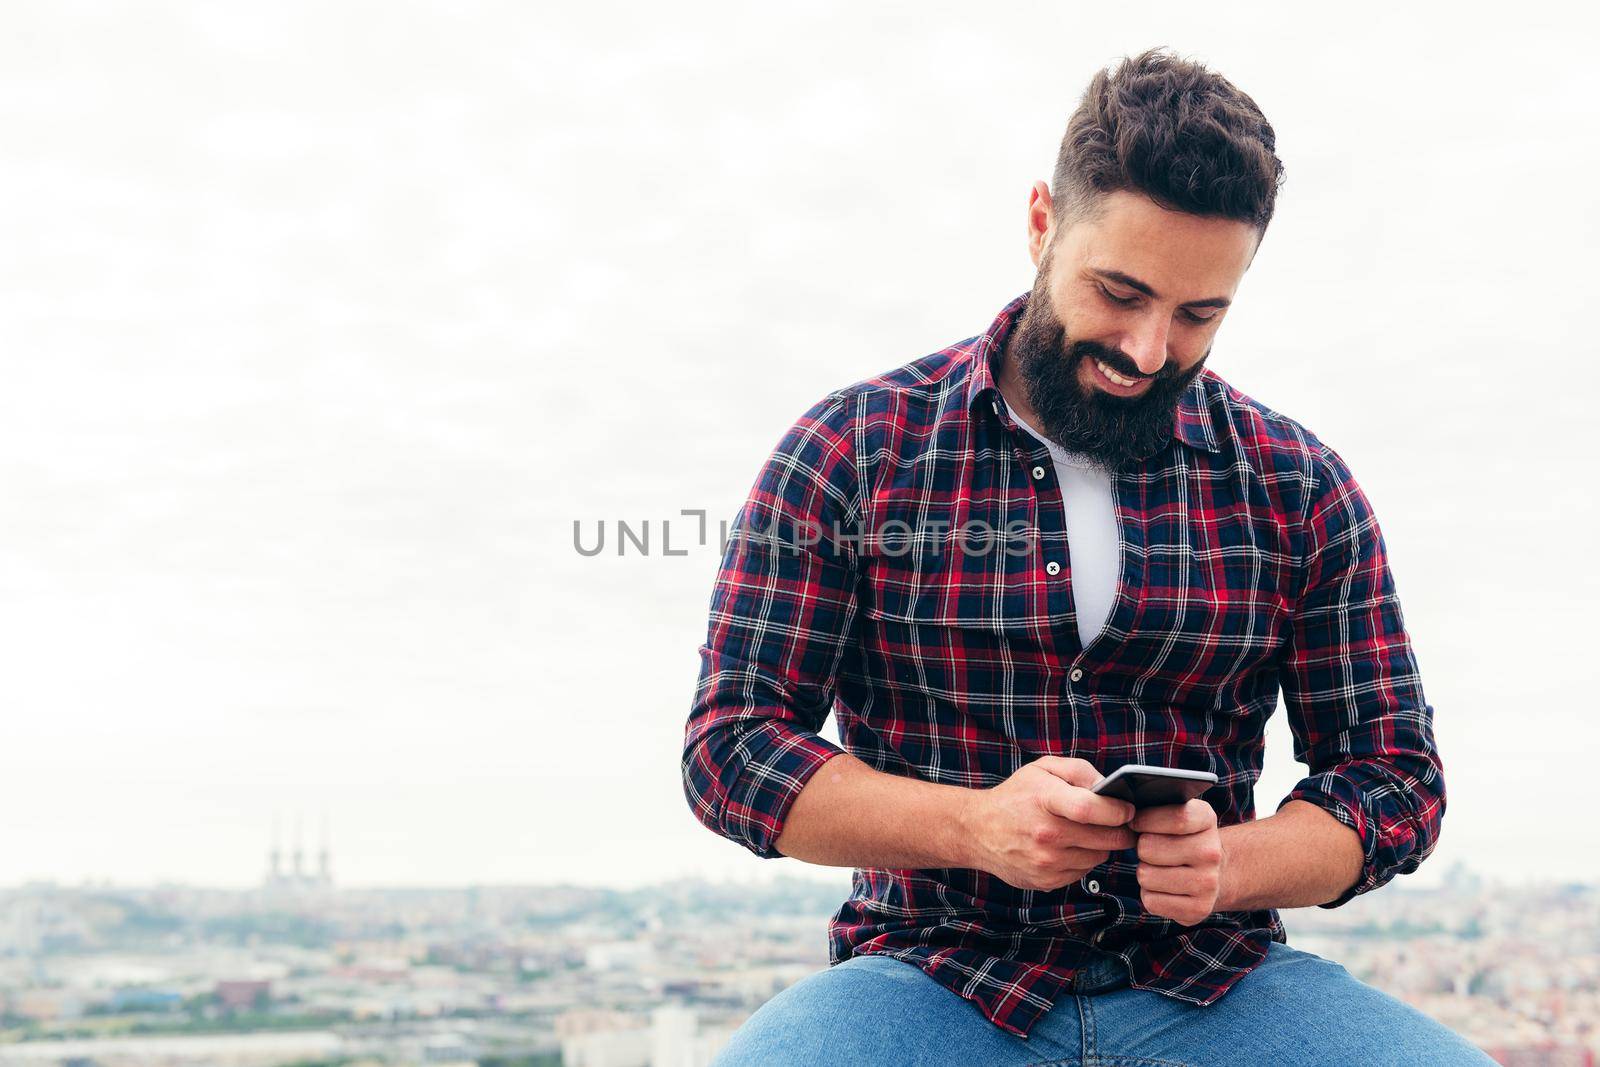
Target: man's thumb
<point>1070,769</point>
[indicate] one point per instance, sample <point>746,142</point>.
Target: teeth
<point>1113,375</point>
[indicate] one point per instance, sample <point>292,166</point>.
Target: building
<point>249,994</point>
<point>296,877</point>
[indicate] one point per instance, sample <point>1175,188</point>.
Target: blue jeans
<point>1294,1008</point>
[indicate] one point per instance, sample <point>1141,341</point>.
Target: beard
<point>1116,432</point>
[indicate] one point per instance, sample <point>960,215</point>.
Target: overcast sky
<point>322,323</point>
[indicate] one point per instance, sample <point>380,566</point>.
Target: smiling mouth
<point>1122,385</point>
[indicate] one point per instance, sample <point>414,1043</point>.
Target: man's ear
<point>1041,221</point>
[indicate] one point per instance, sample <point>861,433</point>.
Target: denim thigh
<point>1294,1008</point>
<point>875,1009</point>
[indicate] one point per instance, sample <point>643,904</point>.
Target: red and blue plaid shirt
<point>903,561</point>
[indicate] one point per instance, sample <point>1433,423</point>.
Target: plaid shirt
<point>870,573</point>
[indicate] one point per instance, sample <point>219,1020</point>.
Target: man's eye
<point>1195,316</point>
<point>1120,301</point>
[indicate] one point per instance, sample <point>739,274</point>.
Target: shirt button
<point>1099,935</point>
<point>1052,568</point>
<point>1038,474</point>
<point>1093,886</point>
<point>1077,674</point>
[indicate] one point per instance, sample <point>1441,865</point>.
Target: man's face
<point>1120,321</point>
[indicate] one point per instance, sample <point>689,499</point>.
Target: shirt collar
<point>1191,424</point>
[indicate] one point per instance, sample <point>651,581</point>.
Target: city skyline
<point>657,977</point>
<point>1456,873</point>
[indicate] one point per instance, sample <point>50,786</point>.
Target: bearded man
<point>1009,568</point>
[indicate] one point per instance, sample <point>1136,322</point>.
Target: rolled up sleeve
<point>783,612</point>
<point>1353,691</point>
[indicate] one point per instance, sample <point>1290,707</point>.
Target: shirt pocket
<point>962,657</point>
<point>1213,616</point>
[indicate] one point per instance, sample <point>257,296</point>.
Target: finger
<point>1162,849</point>
<point>1162,819</point>
<point>1188,818</point>
<point>1070,769</point>
<point>1082,859</point>
<point>1203,849</point>
<point>1170,906</point>
<point>1081,806</point>
<point>1179,881</point>
<point>1109,838</point>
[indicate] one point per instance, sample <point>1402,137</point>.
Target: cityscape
<point>298,971</point>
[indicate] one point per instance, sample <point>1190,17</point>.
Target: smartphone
<point>1144,786</point>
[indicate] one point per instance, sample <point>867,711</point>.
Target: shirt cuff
<point>774,761</point>
<point>1340,797</point>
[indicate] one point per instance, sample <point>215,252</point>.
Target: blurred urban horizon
<point>286,871</point>
<point>299,971</point>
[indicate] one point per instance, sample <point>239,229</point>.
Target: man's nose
<point>1146,345</point>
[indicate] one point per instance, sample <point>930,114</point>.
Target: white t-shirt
<point>1092,535</point>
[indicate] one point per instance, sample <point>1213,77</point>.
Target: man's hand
<point>1181,860</point>
<point>1042,828</point>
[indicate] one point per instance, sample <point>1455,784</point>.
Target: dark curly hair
<point>1171,129</point>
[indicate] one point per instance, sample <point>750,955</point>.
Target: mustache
<point>1118,361</point>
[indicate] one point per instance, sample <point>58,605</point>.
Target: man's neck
<point>1012,388</point>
